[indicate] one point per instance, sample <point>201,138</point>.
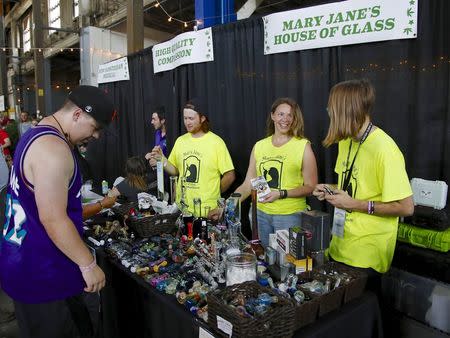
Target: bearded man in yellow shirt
<point>199,158</point>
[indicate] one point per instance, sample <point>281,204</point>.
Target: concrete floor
<point>8,327</point>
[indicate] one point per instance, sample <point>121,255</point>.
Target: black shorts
<point>58,319</point>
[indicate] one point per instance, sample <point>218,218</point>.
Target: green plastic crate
<point>424,238</point>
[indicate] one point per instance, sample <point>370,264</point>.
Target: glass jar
<point>240,268</point>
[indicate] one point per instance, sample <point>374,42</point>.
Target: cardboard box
<point>297,242</point>
<point>300,264</point>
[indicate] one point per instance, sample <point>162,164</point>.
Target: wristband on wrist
<point>89,267</point>
<point>283,193</point>
<point>371,207</point>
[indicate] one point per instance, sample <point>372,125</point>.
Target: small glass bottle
<point>104,187</point>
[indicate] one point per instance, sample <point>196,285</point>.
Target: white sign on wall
<point>113,71</point>
<point>190,47</point>
<point>341,23</point>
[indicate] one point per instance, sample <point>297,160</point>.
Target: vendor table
<point>132,308</point>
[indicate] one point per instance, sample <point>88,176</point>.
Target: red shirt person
<point>5,142</point>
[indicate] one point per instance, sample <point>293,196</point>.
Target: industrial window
<point>76,9</point>
<point>26,33</point>
<point>54,13</point>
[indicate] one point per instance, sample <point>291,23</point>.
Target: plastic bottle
<point>104,187</point>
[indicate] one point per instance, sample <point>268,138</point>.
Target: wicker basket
<point>151,225</point>
<point>357,284</point>
<point>306,313</point>
<point>327,302</point>
<point>277,322</point>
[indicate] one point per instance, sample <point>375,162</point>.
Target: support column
<point>135,25</point>
<point>214,12</point>
<point>48,87</point>
<point>38,42</point>
<point>3,69</point>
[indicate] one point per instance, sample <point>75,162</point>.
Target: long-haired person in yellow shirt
<point>373,189</point>
<point>286,160</point>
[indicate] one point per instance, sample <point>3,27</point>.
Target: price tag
<point>202,333</point>
<point>225,326</point>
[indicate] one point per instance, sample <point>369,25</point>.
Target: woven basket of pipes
<point>353,280</point>
<point>147,223</point>
<point>250,310</point>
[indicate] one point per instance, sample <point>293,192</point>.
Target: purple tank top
<point>32,268</point>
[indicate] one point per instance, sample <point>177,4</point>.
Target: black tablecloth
<point>132,308</point>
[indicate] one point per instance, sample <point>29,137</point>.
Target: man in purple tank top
<point>44,263</point>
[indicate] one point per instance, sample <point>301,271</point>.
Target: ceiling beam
<point>248,9</point>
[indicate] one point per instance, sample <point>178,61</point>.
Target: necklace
<point>60,127</point>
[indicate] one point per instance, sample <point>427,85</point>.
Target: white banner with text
<point>113,71</point>
<point>190,47</point>
<point>341,23</point>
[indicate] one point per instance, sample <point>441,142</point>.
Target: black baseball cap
<point>95,102</point>
<point>197,104</point>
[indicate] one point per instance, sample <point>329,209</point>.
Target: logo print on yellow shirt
<point>272,170</point>
<point>191,171</point>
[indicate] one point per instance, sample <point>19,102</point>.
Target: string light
<point>402,65</point>
<point>169,19</point>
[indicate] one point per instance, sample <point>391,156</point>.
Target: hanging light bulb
<point>157,4</point>
<point>169,19</point>
<point>185,24</point>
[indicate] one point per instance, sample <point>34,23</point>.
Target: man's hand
<point>155,155</point>
<point>108,201</point>
<point>215,214</point>
<point>94,279</point>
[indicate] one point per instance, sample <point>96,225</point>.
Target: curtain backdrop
<point>411,78</point>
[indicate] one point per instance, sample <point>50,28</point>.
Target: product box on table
<point>317,226</point>
<point>278,321</point>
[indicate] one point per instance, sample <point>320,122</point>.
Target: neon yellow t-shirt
<point>378,175</point>
<point>201,161</point>
<point>282,169</point>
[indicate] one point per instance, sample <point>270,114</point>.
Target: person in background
<point>5,144</point>
<point>11,127</point>
<point>373,188</point>
<point>34,121</point>
<point>136,180</point>
<point>25,123</point>
<point>287,162</point>
<point>159,123</point>
<point>92,209</point>
<point>44,263</point>
<point>199,158</point>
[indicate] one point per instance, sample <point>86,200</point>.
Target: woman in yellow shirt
<point>287,162</point>
<point>373,189</point>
